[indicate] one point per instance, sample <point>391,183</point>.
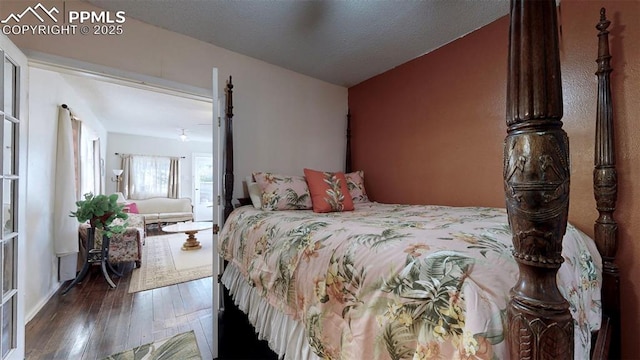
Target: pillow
<point>254,192</point>
<point>355,183</point>
<point>329,191</point>
<point>133,208</point>
<point>283,192</point>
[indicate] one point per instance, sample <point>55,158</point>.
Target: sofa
<point>159,210</point>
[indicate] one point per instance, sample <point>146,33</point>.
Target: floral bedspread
<point>399,281</point>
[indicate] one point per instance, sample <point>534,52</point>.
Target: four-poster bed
<point>540,321</point>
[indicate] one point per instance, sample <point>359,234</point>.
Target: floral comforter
<point>399,281</point>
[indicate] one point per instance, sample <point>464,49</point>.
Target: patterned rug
<point>182,346</point>
<point>164,263</point>
<point>154,229</point>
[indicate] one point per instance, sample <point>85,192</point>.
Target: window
<point>149,176</point>
<point>90,180</point>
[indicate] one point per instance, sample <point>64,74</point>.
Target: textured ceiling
<point>342,42</point>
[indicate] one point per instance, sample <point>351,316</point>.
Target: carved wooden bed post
<point>605,187</point>
<point>228,159</point>
<point>348,165</point>
<point>536,180</point>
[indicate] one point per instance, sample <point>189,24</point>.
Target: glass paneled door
<point>11,112</point>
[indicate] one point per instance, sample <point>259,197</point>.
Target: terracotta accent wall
<point>431,131</point>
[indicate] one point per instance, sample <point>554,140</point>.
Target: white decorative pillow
<point>283,192</point>
<point>254,192</point>
<point>355,183</point>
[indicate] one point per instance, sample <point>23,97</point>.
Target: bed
<point>389,281</point>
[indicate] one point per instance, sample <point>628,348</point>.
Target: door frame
<point>80,68</point>
<point>218,212</point>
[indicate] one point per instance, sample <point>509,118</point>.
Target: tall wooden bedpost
<point>228,159</point>
<point>605,188</point>
<point>536,180</point>
<point>348,166</point>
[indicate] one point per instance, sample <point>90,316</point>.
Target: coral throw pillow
<point>355,183</point>
<point>283,192</point>
<point>329,191</point>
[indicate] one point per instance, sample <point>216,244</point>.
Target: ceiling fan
<point>183,135</point>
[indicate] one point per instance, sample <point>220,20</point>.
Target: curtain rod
<point>71,114</point>
<point>181,157</point>
<point>66,107</point>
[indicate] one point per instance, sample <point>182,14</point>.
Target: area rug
<point>164,263</point>
<point>182,346</point>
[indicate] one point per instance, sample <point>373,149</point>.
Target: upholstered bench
<point>123,247</point>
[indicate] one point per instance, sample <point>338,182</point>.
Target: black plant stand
<point>94,255</point>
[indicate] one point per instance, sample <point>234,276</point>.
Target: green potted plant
<point>101,211</point>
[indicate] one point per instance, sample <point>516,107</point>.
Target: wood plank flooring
<point>93,321</point>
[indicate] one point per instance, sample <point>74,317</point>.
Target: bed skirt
<point>285,335</point>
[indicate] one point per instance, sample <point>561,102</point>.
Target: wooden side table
<point>95,255</point>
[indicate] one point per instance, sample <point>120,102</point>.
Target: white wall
<point>47,91</point>
<point>284,121</point>
<point>147,145</point>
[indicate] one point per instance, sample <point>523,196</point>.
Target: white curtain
<point>98,167</point>
<point>65,230</point>
<point>174,178</point>
<point>148,176</point>
<point>126,181</point>
<point>89,163</point>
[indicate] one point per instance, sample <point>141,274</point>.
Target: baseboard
<point>28,317</point>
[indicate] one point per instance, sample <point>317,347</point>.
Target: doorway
<point>116,141</point>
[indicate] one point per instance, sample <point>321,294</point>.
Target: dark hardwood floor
<point>93,321</point>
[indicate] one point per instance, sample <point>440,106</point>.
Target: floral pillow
<point>355,183</point>
<point>283,192</point>
<point>329,191</point>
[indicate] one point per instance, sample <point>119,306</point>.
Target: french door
<point>13,112</point>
